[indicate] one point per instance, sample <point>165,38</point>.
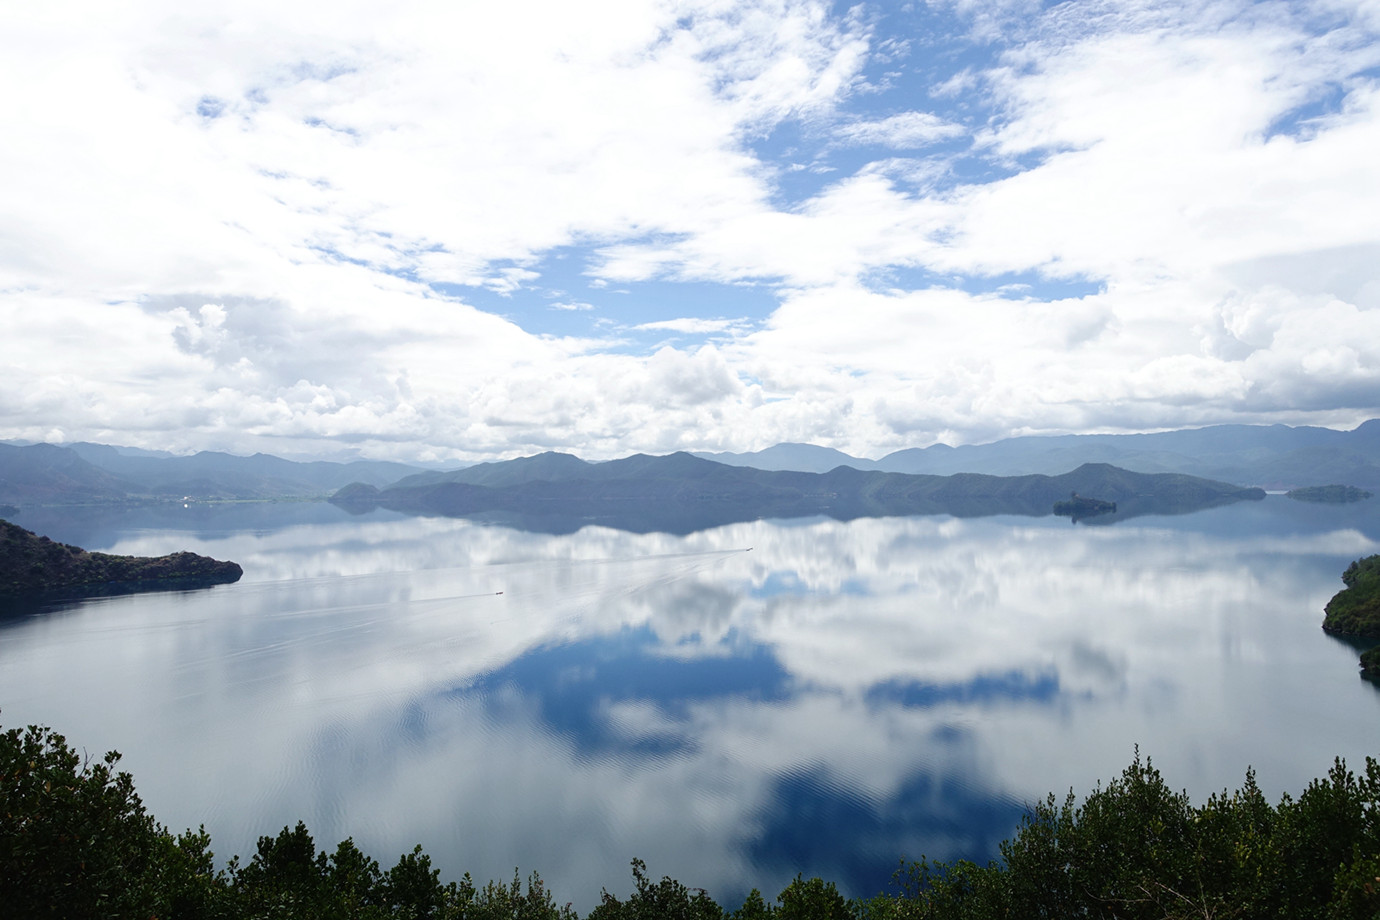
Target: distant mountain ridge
<point>85,473</point>
<point>680,493</point>
<point>1272,457</point>
<point>803,458</point>
<point>44,473</point>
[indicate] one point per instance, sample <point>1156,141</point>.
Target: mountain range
<point>681,493</point>
<point>84,473</point>
<point>1271,457</point>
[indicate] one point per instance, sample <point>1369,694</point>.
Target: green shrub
<point>665,900</point>
<point>75,840</point>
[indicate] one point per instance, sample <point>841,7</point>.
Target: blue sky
<point>446,231</point>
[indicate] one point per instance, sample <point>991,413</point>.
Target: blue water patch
<point>571,685</point>
<point>984,689</point>
<point>810,819</point>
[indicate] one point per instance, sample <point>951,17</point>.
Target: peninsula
<point>1355,610</point>
<point>31,564</point>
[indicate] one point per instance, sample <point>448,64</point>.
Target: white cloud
<point>906,130</point>
<point>1171,173</point>
<point>690,325</point>
<point>222,227</point>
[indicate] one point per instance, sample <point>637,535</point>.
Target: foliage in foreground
<point>1136,849</point>
<point>76,842</point>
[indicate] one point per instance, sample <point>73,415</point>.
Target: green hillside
<point>1355,610</point>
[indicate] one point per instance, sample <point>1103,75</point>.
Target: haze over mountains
<point>1272,457</point>
<point>84,473</point>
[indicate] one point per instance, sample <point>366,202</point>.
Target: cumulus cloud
<point>296,228</point>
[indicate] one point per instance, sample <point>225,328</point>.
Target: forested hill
<point>680,493</point>
<point>30,563</point>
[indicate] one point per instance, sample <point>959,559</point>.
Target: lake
<point>734,706</point>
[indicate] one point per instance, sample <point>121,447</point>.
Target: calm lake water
<point>734,706</point>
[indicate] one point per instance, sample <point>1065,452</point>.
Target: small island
<point>1079,507</point>
<point>30,564</point>
<point>1334,494</point>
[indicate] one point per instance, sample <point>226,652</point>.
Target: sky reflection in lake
<point>734,706</point>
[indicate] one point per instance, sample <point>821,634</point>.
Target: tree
<point>665,900</point>
<point>814,899</point>
<point>76,842</point>
<point>496,901</point>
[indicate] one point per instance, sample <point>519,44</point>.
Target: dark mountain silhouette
<point>680,493</point>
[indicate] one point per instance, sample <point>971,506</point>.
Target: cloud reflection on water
<point>840,696</point>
